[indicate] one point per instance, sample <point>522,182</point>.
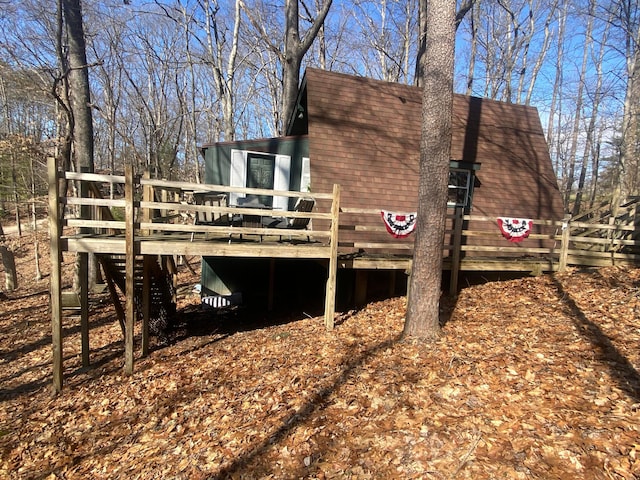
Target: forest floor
<point>535,378</point>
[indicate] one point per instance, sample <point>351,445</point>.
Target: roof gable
<point>365,134</point>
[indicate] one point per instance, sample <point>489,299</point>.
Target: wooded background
<point>168,76</point>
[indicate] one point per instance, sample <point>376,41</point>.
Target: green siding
<point>223,276</point>
<point>217,157</point>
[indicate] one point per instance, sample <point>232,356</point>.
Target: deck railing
<point>162,206</point>
<point>476,242</point>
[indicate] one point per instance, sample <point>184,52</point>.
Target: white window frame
<point>281,176</point>
<point>305,175</point>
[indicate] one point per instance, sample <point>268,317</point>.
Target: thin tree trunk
<point>543,52</point>
<point>525,54</point>
<point>591,128</point>
<point>595,168</point>
<point>557,87</point>
<point>34,215</point>
<point>474,49</point>
<point>575,132</point>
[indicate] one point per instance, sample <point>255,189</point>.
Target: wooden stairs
<point>626,214</point>
<point>160,272</point>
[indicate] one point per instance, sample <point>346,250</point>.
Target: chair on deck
<point>208,217</point>
<point>298,223</point>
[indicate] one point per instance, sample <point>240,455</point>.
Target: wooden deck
<point>159,218</point>
<point>180,244</point>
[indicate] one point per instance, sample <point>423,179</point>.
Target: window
<point>462,179</point>
<point>459,183</point>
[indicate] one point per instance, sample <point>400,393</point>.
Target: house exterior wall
<point>217,156</point>
<point>365,135</point>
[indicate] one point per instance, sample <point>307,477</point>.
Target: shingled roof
<point>364,134</point>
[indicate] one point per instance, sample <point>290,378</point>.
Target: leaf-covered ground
<point>532,378</point>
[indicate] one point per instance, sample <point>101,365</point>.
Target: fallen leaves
<point>533,378</point>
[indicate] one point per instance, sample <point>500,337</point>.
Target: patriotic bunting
<point>515,229</point>
<point>399,225</point>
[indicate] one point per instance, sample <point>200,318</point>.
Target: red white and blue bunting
<point>399,225</point>
<point>515,229</point>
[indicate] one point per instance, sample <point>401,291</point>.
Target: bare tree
<point>591,127</point>
<point>578,108</point>
<point>223,72</point>
<point>294,48</point>
<point>544,50</point>
<point>385,38</point>
<point>153,92</point>
<point>423,319</point>
<point>106,32</point>
<point>556,90</point>
<point>191,132</point>
<point>79,91</point>
<point>473,27</point>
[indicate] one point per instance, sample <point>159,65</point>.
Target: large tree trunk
<point>80,102</point>
<point>79,93</point>
<point>628,164</point>
<point>423,319</point>
<point>423,15</point>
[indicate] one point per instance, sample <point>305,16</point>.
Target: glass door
<point>260,174</point>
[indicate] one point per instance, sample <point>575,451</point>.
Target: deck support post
<point>83,294</point>
<point>330,295</point>
<point>130,262</point>
<point>272,284</point>
<point>55,284</point>
<point>456,253</point>
<point>147,263</point>
<point>83,276</point>
<point>392,283</point>
<point>362,277</point>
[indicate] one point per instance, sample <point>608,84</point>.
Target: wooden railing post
<point>146,215</point>
<point>147,263</point>
<point>130,260</point>
<point>564,243</point>
<point>148,196</point>
<point>330,296</point>
<point>55,285</point>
